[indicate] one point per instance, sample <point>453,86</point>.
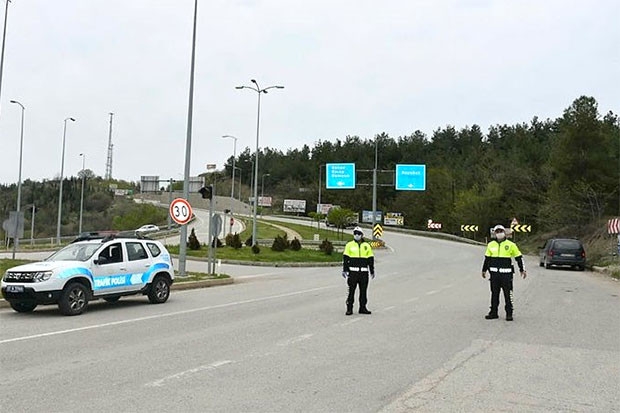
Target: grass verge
<point>265,255</point>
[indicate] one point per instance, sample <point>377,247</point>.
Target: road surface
<point>280,342</point>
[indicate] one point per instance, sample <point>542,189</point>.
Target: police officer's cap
<point>358,230</point>
<point>497,228</point>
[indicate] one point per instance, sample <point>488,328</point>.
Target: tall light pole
<point>6,15</point>
<point>188,146</point>
<point>62,171</point>
<point>258,91</point>
<point>19,179</point>
<point>262,186</point>
<point>232,187</point>
<point>83,155</point>
<point>374,191</point>
<point>239,190</point>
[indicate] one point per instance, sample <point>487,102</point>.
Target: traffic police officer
<point>498,261</point>
<point>358,263</point>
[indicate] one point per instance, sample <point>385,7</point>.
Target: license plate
<point>14,288</point>
<point>567,255</point>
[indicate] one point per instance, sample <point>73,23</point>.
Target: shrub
<point>280,243</point>
<point>327,247</point>
<point>236,242</point>
<point>193,242</point>
<point>248,242</point>
<point>255,249</point>
<point>219,243</point>
<point>295,244</point>
<point>229,239</point>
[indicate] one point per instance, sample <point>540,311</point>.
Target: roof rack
<point>105,236</point>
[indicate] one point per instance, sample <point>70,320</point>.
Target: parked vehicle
<point>87,270</point>
<point>145,229</point>
<point>563,251</point>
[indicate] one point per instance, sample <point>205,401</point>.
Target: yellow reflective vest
<point>358,257</point>
<point>498,257</point>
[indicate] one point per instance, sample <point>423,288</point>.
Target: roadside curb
<point>189,285</point>
<point>269,264</point>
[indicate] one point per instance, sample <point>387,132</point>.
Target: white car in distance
<point>145,229</point>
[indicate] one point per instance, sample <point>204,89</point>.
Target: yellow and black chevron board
<point>377,231</point>
<point>469,228</point>
<point>521,228</point>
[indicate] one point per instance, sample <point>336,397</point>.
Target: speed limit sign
<point>180,211</point>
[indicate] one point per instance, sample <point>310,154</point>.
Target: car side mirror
<point>101,261</point>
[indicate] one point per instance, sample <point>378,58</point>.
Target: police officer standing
<point>498,261</point>
<point>358,262</point>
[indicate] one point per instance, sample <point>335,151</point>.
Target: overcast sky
<point>349,67</point>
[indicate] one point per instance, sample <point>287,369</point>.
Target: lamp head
<point>253,81</point>
<point>239,87</point>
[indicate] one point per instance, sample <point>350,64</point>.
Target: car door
<point>138,263</point>
<point>110,274</point>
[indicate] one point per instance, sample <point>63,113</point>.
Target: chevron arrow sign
<point>469,228</point>
<point>521,228</point>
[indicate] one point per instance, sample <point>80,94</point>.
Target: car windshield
<point>74,252</point>
<point>567,244</point>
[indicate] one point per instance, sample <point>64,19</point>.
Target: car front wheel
<point>23,307</point>
<point>74,299</point>
<point>160,290</point>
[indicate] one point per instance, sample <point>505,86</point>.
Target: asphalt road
<point>278,341</point>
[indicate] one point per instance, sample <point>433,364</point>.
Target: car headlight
<point>41,276</point>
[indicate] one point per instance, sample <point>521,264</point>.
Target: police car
<point>90,269</point>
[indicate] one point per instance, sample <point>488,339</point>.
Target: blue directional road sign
<point>411,177</point>
<point>340,176</point>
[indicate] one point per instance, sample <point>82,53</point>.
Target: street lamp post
<point>262,187</point>
<point>6,15</point>
<point>19,179</point>
<point>239,190</point>
<point>62,170</point>
<point>374,191</point>
<point>258,91</point>
<point>262,190</point>
<point>232,187</point>
<point>83,155</point>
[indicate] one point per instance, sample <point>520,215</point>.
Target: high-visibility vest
<point>358,255</point>
<point>501,254</point>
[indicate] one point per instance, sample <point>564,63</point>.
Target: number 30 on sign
<point>180,211</point>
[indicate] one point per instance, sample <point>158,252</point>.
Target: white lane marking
<point>389,308</point>
<point>448,286</point>
<point>432,292</point>
<point>206,367</point>
<point>412,299</point>
<point>153,317</point>
<point>294,340</point>
<point>258,275</point>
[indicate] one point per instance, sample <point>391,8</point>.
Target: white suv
<point>86,270</point>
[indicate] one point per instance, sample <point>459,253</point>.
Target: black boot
<point>365,311</point>
<point>509,317</point>
<point>491,316</point>
<point>349,311</point>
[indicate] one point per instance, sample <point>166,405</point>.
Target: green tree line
<point>552,173</point>
<point>101,209</point>
<point>563,172</point>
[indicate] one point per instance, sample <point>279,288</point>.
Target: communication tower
<point>108,163</point>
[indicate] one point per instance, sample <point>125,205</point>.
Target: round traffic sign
<point>180,211</point>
